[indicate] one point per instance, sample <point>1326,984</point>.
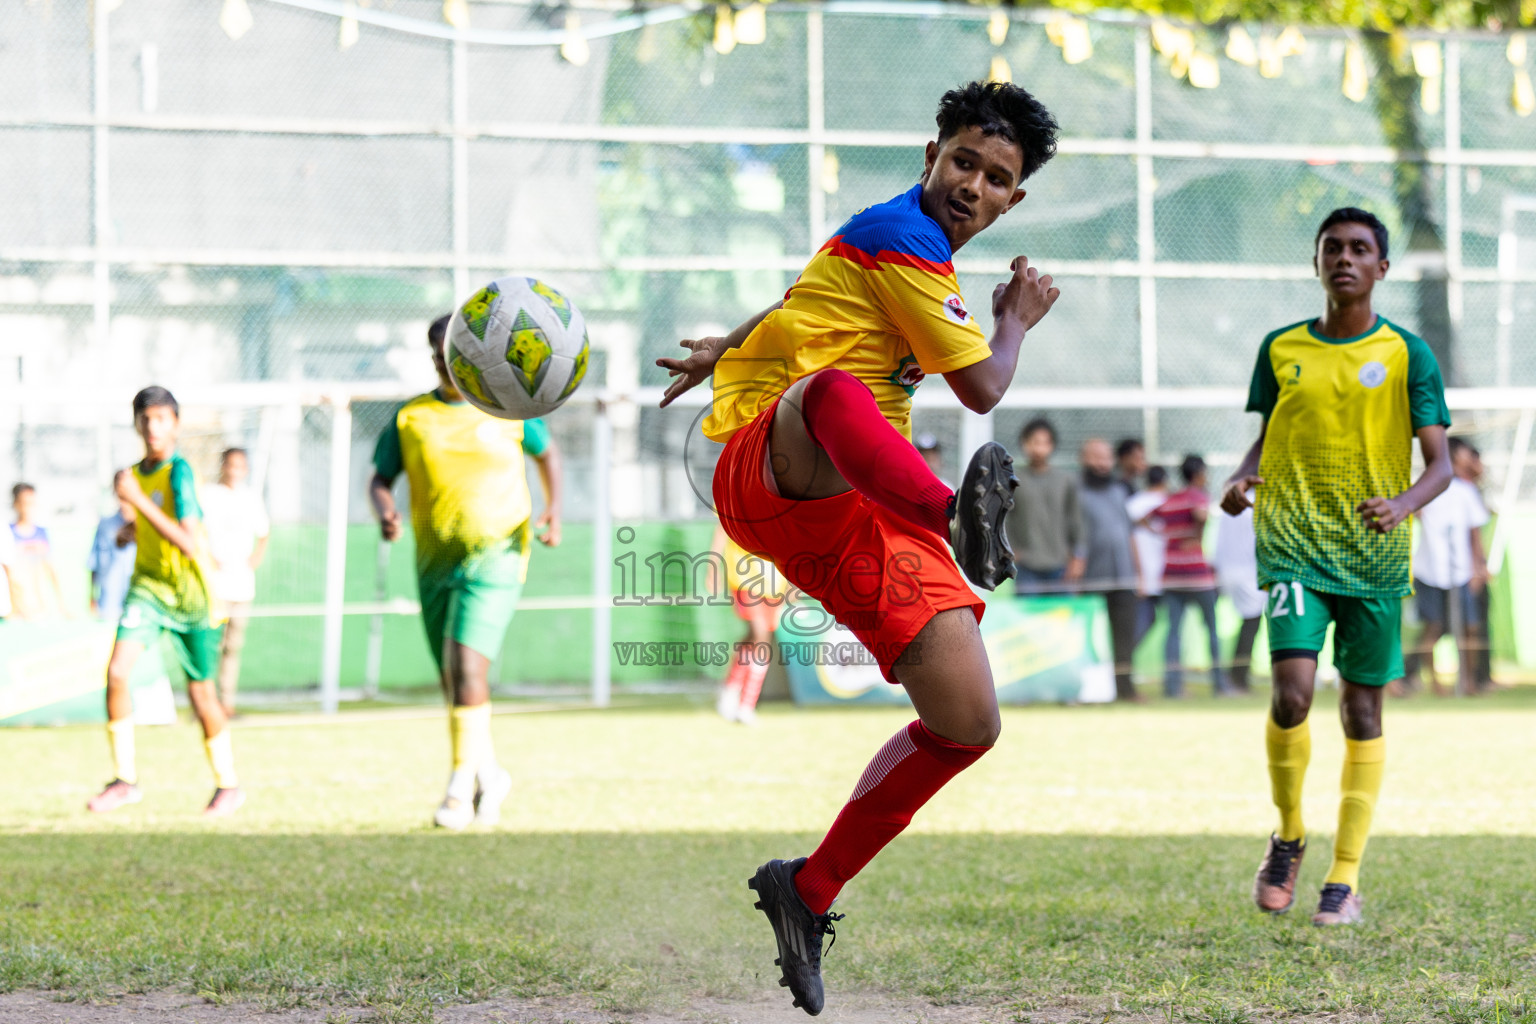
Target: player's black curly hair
<point>438,330</point>
<point>1003,109</point>
<point>154,396</point>
<point>1354,215</point>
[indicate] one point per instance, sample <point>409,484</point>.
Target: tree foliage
<point>1382,15</point>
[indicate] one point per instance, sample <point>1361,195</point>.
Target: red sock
<point>841,416</point>
<point>752,683</point>
<point>911,767</point>
<point>737,673</point>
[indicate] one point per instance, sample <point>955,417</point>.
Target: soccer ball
<point>517,348</point>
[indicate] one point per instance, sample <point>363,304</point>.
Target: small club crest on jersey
<point>954,308</point>
<point>1373,374</point>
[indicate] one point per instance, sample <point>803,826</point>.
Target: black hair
<point>1191,467</point>
<point>439,330</point>
<point>1354,215</point>
<point>1004,110</point>
<point>227,452</point>
<point>1156,476</point>
<point>21,489</point>
<point>1036,425</point>
<point>1128,445</point>
<point>1457,444</point>
<point>152,397</point>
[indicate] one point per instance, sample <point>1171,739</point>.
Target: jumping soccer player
<point>813,400</point>
<point>470,512</point>
<point>1342,397</point>
<point>168,593</point>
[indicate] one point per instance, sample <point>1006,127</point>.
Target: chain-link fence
<point>266,220</point>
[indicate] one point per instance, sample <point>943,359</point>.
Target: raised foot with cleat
<point>225,801</point>
<point>1338,904</point>
<point>797,931</point>
<point>976,523</point>
<point>115,794</point>
<point>1274,887</point>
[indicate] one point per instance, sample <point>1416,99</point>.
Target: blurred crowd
<point>1134,536</point>
<point>237,530</point>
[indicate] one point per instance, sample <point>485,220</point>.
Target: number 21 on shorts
<point>1285,596</point>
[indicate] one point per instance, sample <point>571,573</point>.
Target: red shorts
<point>878,574</point>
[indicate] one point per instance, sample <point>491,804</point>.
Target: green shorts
<point>1367,635</point>
<point>145,621</point>
<point>472,604</point>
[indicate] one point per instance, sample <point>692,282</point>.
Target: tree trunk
<point>1396,95</point>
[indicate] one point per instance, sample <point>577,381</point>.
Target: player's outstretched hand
<point>1382,514</point>
<point>126,485</point>
<point>694,368</point>
<point>1234,500</point>
<point>390,527</point>
<point>1027,295</point>
<point>549,523</point>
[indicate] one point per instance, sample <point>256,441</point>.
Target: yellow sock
<point>470,730</point>
<point>120,738</point>
<point>1363,763</point>
<point>1289,751</point>
<point>221,754</point>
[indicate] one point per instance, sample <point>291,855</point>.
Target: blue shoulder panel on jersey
<point>898,227</point>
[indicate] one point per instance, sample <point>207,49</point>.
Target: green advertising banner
<point>1042,649</point>
<point>55,673</point>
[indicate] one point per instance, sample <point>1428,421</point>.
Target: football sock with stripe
<point>842,416</point>
<point>120,739</point>
<point>221,755</point>
<point>752,683</point>
<point>469,731</point>
<point>1289,752</point>
<point>906,773</point>
<point>1361,783</point>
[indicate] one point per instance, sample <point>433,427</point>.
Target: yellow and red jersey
<point>880,300</point>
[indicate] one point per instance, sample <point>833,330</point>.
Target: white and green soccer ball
<point>517,348</point>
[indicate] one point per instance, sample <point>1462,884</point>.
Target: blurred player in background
<point>813,399</point>
<point>757,593</point>
<point>167,594</point>
<point>1343,397</point>
<point>238,530</point>
<point>471,518</point>
<point>113,551</point>
<point>1237,576</point>
<point>35,587</point>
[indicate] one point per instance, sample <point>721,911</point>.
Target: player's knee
<point>117,677</point>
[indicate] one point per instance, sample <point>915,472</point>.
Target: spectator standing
<point>1045,525</point>
<point>1187,577</point>
<point>1110,568</point>
<point>1467,464</point>
<point>35,591</point>
<point>1237,576</point>
<point>1131,463</point>
<point>1449,560</point>
<point>111,562</point>
<point>1151,548</point>
<point>237,541</point>
<point>7,557</point>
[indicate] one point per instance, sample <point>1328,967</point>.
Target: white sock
<point>488,772</point>
<point>461,785</point>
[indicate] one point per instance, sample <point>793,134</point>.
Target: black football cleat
<point>976,523</point>
<point>797,931</point>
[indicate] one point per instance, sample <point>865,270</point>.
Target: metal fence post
<point>602,555</point>
<point>336,552</point>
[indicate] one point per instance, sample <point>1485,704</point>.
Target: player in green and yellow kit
<point>470,513</point>
<point>1342,397</point>
<point>167,594</point>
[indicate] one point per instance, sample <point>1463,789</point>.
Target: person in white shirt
<point>1237,576</point>
<point>1151,549</point>
<point>1447,567</point>
<point>237,541</point>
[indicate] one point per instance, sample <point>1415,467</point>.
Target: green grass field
<point>1099,858</point>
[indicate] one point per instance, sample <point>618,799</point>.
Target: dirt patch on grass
<point>180,1008</point>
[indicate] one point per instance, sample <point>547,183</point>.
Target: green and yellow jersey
<point>469,489</point>
<point>1341,415</point>
<point>162,572</point>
